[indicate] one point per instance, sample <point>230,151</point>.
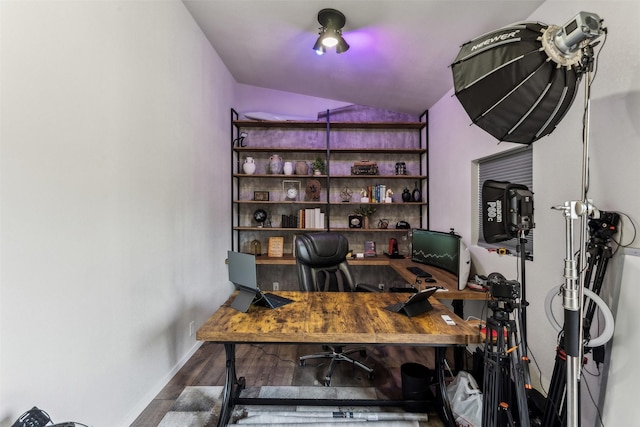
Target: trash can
<point>416,385</point>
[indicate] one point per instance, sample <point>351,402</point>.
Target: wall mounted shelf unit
<point>340,144</point>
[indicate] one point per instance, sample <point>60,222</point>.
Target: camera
<point>501,288</point>
<point>605,226</point>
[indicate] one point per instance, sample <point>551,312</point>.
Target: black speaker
<point>507,209</point>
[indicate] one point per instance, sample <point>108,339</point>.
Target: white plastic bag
<point>465,399</point>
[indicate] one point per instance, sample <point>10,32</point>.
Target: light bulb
<point>329,41</point>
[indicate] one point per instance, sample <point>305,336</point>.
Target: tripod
<point>598,255</point>
<point>504,360</point>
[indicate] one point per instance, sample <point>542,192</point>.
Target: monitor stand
<point>243,300</point>
<point>246,297</point>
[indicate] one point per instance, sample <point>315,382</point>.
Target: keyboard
<point>418,271</point>
<point>276,300</point>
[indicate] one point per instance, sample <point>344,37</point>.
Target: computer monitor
<point>442,250</point>
<point>242,269</point>
<point>242,272</point>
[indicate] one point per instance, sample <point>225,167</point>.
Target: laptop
<point>416,304</point>
<point>242,273</point>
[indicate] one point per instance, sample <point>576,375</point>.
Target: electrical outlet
<point>276,286</point>
<point>381,286</point>
<point>192,327</point>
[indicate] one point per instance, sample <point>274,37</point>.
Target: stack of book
<point>377,193</point>
<point>311,218</point>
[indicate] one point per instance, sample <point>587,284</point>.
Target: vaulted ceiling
<point>400,50</point>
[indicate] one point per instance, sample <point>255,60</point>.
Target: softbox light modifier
<point>507,210</point>
<point>510,87</point>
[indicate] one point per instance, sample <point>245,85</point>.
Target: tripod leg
<point>520,372</point>
<point>507,418</point>
<point>555,398</point>
<point>601,268</point>
<point>491,383</point>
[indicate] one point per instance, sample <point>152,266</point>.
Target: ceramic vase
<point>288,168</point>
<point>406,195</point>
<point>249,166</point>
<point>302,168</point>
<point>275,164</point>
<point>416,196</point>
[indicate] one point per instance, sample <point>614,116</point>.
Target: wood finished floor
<point>278,364</point>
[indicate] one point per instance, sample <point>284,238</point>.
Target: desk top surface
<point>443,278</point>
<point>338,318</point>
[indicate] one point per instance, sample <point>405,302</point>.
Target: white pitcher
<point>249,166</point>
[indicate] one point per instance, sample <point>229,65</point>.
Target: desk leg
<point>445,407</point>
<point>458,352</point>
<point>232,386</point>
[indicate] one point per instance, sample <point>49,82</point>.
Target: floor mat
<point>200,407</point>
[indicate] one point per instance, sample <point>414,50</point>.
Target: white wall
<point>114,163</point>
<point>615,150</point>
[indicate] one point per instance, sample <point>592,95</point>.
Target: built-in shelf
<point>373,150</point>
<point>277,202</point>
<point>376,177</point>
<point>380,177</point>
<point>248,228</point>
<point>395,205</point>
<point>334,125</point>
<point>278,176</point>
<point>341,144</point>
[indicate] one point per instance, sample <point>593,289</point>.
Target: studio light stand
<point>573,291</point>
<point>507,214</point>
<point>598,255</point>
<point>504,358</point>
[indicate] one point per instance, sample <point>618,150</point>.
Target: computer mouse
<point>430,280</point>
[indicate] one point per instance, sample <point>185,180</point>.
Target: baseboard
<point>144,402</point>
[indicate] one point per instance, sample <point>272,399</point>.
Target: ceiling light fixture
<point>332,22</point>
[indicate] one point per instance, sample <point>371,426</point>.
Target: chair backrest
<point>321,260</point>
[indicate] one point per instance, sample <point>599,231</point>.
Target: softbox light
<point>510,87</point>
<point>507,210</point>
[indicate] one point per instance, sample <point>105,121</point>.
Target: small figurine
<point>387,196</point>
<point>345,194</point>
<point>364,194</point>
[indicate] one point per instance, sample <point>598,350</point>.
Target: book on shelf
<point>311,218</point>
<point>289,221</point>
<point>377,193</point>
<point>369,248</point>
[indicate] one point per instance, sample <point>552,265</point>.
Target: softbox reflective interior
<point>506,209</point>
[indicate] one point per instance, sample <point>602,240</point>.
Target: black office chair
<point>321,260</point>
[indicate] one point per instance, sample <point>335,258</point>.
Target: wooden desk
<point>336,318</point>
<point>443,278</point>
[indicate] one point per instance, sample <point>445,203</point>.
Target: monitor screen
<point>242,269</point>
<point>437,249</point>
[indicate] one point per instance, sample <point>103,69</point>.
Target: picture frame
<point>276,246</point>
<point>261,196</point>
<point>291,190</point>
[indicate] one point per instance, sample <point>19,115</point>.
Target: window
<point>515,166</point>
